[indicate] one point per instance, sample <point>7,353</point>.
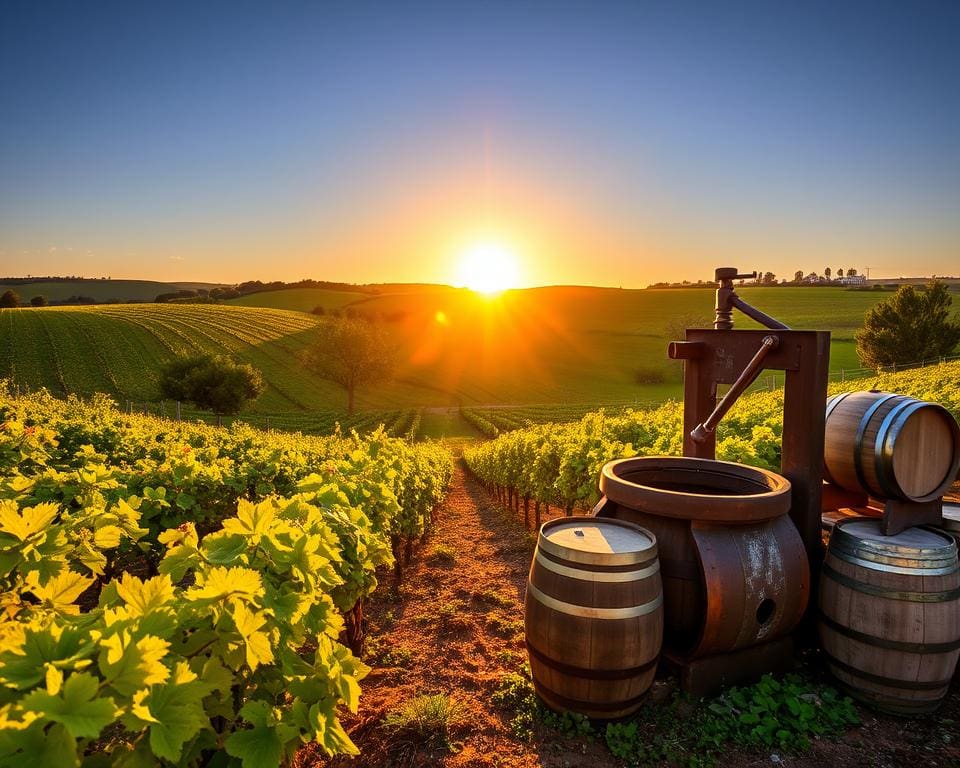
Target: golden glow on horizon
<point>488,267</point>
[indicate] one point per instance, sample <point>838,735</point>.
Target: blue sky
<point>607,143</point>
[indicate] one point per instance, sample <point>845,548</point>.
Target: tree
<point>911,326</point>
<point>852,272</point>
<point>350,352</point>
<point>827,273</point>
<point>211,383</point>
<point>768,278</point>
<point>798,276</point>
<point>9,299</point>
<point>39,301</point>
<point>840,272</point>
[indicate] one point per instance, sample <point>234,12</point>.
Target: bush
<point>429,718</point>
<point>648,375</point>
<point>211,383</point>
<point>9,300</point>
<point>39,301</point>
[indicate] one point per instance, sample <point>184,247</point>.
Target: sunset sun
<point>488,267</point>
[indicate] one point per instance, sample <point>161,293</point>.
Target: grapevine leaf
<point>38,747</point>
<point>252,520</point>
<point>77,708</point>
<point>176,713</point>
<point>223,548</point>
<point>223,583</point>
<point>248,623</point>
<point>107,537</point>
<point>60,592</point>
<point>24,664</point>
<point>130,666</point>
<point>260,746</point>
<point>20,525</point>
<point>143,597</point>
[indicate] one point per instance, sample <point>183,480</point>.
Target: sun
<point>488,267</point>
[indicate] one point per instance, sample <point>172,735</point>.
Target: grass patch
<point>495,598</point>
<point>443,556</point>
<point>771,714</point>
<point>428,718</point>
<point>503,626</point>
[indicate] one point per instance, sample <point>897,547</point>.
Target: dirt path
<point>455,627</point>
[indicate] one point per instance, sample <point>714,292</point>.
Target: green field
<point>101,290</point>
<point>299,299</point>
<point>578,347</point>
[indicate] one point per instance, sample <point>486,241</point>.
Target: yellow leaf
<point>59,592</point>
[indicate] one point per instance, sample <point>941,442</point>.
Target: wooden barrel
<point>890,614</point>
<point>950,522</point>
<point>594,616</point>
<point>890,446</point>
<point>734,569</point>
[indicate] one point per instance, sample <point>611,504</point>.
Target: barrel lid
<point>591,538</point>
<point>920,551</point>
<point>951,516</point>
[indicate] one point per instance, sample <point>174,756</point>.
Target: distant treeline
<point>202,295</point>
<point>51,279</point>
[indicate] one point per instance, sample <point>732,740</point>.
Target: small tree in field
<point>909,327</point>
<point>211,383</point>
<point>798,276</point>
<point>39,301</point>
<point>9,300</point>
<point>350,352</point>
<point>827,273</point>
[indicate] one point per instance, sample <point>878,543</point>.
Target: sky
<point>604,143</point>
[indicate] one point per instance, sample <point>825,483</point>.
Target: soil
<point>455,626</point>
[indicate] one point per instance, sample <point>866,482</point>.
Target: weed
<point>442,555</point>
<point>396,657</point>
<point>517,695</point>
<point>427,717</point>
<point>505,627</point>
<point>495,598</point>
<point>506,657</point>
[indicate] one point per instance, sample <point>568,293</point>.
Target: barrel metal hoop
<point>591,612</point>
<point>596,558</point>
<point>831,405</point>
<point>578,705</point>
<point>886,440</point>
<point>889,594</point>
<point>866,558</point>
<point>591,674</point>
<point>907,685</point>
<point>595,568</point>
<point>890,645</point>
<point>861,431</point>
<point>596,576</point>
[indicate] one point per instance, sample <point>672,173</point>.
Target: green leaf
<point>184,501</point>
<point>60,592</point>
<point>175,713</point>
<point>260,746</point>
<point>77,708</point>
<point>38,747</point>
<point>130,666</point>
<point>23,665</point>
<point>223,583</point>
<point>257,643</point>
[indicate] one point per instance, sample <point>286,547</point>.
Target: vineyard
<point>173,590</point>
<point>557,464</point>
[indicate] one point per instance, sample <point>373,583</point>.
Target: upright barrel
<point>890,614</point>
<point>890,446</point>
<point>594,616</point>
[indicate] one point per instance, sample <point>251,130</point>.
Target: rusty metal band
<point>578,705</point>
<point>832,403</point>
<point>887,548</point>
<point>861,432</point>
<point>596,576</point>
<point>907,685</point>
<point>599,558</point>
<point>905,566</point>
<point>590,612</point>
<point>605,568</point>
<point>890,645</point>
<point>591,674</point>
<point>890,594</point>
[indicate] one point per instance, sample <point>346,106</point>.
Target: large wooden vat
<point>890,446</point>
<point>594,616</point>
<point>734,569</point>
<point>890,614</point>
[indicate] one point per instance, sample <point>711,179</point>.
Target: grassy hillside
<point>101,290</point>
<point>299,299</point>
<point>548,345</point>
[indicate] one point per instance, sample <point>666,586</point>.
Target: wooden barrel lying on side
<point>594,616</point>
<point>890,614</point>
<point>890,446</point>
<point>734,569</point>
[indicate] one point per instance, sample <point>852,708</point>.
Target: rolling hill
<point>546,345</point>
<point>100,290</point>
